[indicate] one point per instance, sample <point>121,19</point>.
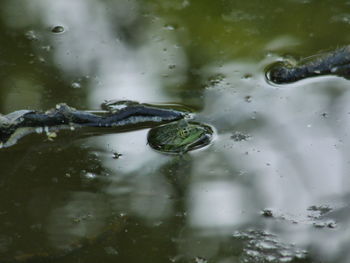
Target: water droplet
<point>57,29</point>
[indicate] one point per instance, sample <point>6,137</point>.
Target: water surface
<point>272,187</point>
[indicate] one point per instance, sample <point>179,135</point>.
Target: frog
<point>180,136</point>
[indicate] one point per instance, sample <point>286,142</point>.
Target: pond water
<point>274,184</point>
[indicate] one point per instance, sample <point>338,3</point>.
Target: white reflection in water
<point>297,155</point>
<point>91,46</point>
<point>216,204</point>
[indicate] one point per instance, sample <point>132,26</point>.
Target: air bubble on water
<point>89,175</point>
<point>169,27</point>
<point>57,29</point>
<point>200,260</point>
<point>111,251</point>
<point>41,60</point>
<point>46,48</point>
<point>39,130</point>
<point>76,85</point>
<point>31,35</point>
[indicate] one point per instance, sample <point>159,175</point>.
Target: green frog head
<point>179,136</point>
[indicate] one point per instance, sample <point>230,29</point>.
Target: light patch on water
<point>215,204</point>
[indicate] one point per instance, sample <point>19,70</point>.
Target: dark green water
<point>279,149</point>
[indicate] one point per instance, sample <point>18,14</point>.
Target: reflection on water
<point>258,193</point>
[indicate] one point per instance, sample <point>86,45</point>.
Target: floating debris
<point>216,79</point>
<point>319,210</point>
<point>267,212</point>
<point>116,155</point>
<point>248,98</point>
<point>239,136</point>
<point>261,246</point>
<point>324,114</point>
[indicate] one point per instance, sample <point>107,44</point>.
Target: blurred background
<point>272,187</point>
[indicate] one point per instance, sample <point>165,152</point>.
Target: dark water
<point>272,187</point>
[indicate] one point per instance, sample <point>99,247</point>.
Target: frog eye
<point>183,133</point>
